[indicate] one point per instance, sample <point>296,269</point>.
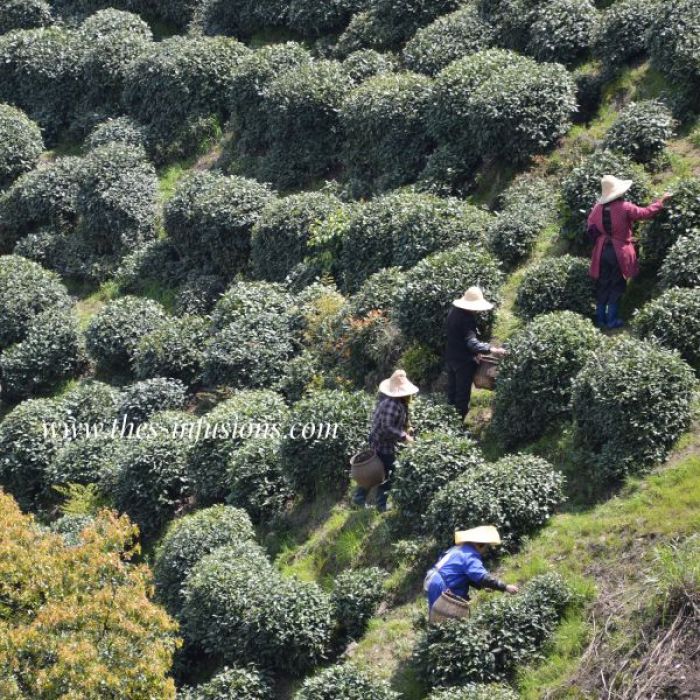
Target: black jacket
<point>462,341</point>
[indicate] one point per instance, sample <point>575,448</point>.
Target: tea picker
<point>447,583</point>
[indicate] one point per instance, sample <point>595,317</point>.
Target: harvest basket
<point>449,607</point>
<point>366,469</point>
<point>486,373</point>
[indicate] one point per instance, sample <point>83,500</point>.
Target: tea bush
<point>435,282</point>
<point>143,399</point>
<point>355,598</point>
<point>447,39</point>
<point>681,268</point>
<point>199,293</point>
<point>429,413</point>
<point>239,20</point>
<point>21,144</point>
<point>556,284</point>
<point>344,682</point>
<point>364,31</point>
<point>533,391</point>
<point>230,424</point>
<point>321,464</point>
<point>192,537</point>
<point>641,131</point>
<point>50,352</point>
<point>231,684</point>
<point>24,14</point>
<point>210,218</point>
<point>118,130</point>
<point>673,319</point>
<point>631,402</point>
<point>365,63</point>
<point>517,494</point>
<point>256,479</point>
<point>316,19</point>
<point>475,691</point>
<point>512,236</point>
<point>581,189</point>
<point>300,373</point>
<point>425,467</point>
<point>280,236</point>
<point>383,121</point>
<point>379,292</point>
<point>241,609</point>
<point>399,21</point>
<point>247,300</point>
<point>622,32</point>
<point>91,401</point>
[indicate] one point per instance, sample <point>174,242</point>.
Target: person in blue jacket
<point>461,567</point>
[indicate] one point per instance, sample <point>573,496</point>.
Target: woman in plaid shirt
<point>389,427</point>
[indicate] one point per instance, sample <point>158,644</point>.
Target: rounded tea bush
<point>435,282</point>
<point>379,292</point>
<point>365,63</point>
<point>240,19</point>
<point>355,598</point>
<point>311,18</point>
<point>631,402</point>
<point>517,494</point>
<point>344,682</point>
<point>88,460</point>
<point>533,391</point>
<point>24,14</point>
<point>337,425</point>
<point>561,30</point>
<point>281,234</point>
<point>91,402</point>
<point>447,39</point>
<point>231,684</point>
<point>556,284</point>
<point>641,131</point>
<point>26,290</point>
<point>622,31</point>
<point>240,609</point>
<point>21,144</point>
<point>190,538</point>
<point>249,300</point>
<point>386,142</point>
<point>475,691</point>
<point>115,331</point>
<point>511,237</point>
<point>673,319</point>
<point>118,130</point>
<point>682,265</point>
<point>175,349</point>
<point>425,467</point>
<point>143,399</point>
<point>581,188</point>
<point>210,218</point>
<point>51,352</point>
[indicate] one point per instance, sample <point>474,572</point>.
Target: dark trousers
<point>388,460</point>
<point>460,376</point>
<point>611,284</point>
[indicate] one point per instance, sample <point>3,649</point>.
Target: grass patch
<point>170,175</point>
<point>89,305</point>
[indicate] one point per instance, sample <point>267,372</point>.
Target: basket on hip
<point>449,607</point>
<point>366,469</point>
<point>486,373</point>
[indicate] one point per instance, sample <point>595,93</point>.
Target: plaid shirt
<point>388,424</point>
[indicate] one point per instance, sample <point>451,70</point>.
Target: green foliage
<point>631,402</point>
<point>90,401</point>
<point>257,480</point>
<point>447,39</point>
<point>556,284</point>
<point>641,131</point>
<point>421,363</point>
<point>239,608</point>
<point>379,292</point>
<point>433,284</point>
<point>561,30</point>
<point>230,424</point>
<point>232,684</point>
<point>199,293</point>
<point>241,19</point>
<point>383,121</point>
<point>118,130</point>
<point>425,467</point>
<point>355,598</point>
<point>400,20</point>
<point>320,464</point>
<point>364,31</point>
<point>343,683</point>
<point>115,331</point>
<point>26,290</point>
<point>89,460</point>
<point>280,236</point>
<point>312,18</point>
<point>24,14</point>
<point>512,236</point>
<point>246,300</point>
<point>50,352</point>
<point>502,634</point>
<point>621,33</point>
<point>681,268</point>
<point>674,44</point>
<point>210,218</point>
<point>20,144</point>
<point>143,399</point>
<point>680,216</point>
<point>674,320</point>
<point>533,391</point>
<point>429,413</point>
<point>299,374</point>
<point>365,63</point>
<point>190,538</point>
<point>475,691</point>
<point>517,494</point>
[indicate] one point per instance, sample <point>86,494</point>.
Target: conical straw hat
<point>398,385</point>
<point>612,188</point>
<point>473,300</point>
<point>485,534</point>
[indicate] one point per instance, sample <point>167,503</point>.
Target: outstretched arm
<point>636,213</point>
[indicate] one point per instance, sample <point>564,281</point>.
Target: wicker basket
<point>486,373</point>
<point>366,469</point>
<point>448,607</point>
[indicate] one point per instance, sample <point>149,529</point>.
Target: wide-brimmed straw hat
<point>473,300</point>
<point>486,534</point>
<point>612,188</point>
<point>398,385</point>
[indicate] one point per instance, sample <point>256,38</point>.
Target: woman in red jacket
<point>614,258</point>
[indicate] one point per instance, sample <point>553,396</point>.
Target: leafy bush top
<point>231,684</point>
<point>355,598</point>
<point>621,33</point>
<point>21,144</point>
<point>365,63</point>
<point>139,401</point>
<point>475,691</point>
<point>682,265</point>
<point>24,14</point>
<point>343,683</point>
<point>120,129</point>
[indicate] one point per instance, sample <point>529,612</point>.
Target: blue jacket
<point>460,567</point>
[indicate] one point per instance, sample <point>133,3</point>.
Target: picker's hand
<point>499,352</point>
<point>666,197</point>
<point>409,438</point>
<point>510,588</point>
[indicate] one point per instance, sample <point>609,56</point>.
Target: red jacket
<point>623,215</point>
